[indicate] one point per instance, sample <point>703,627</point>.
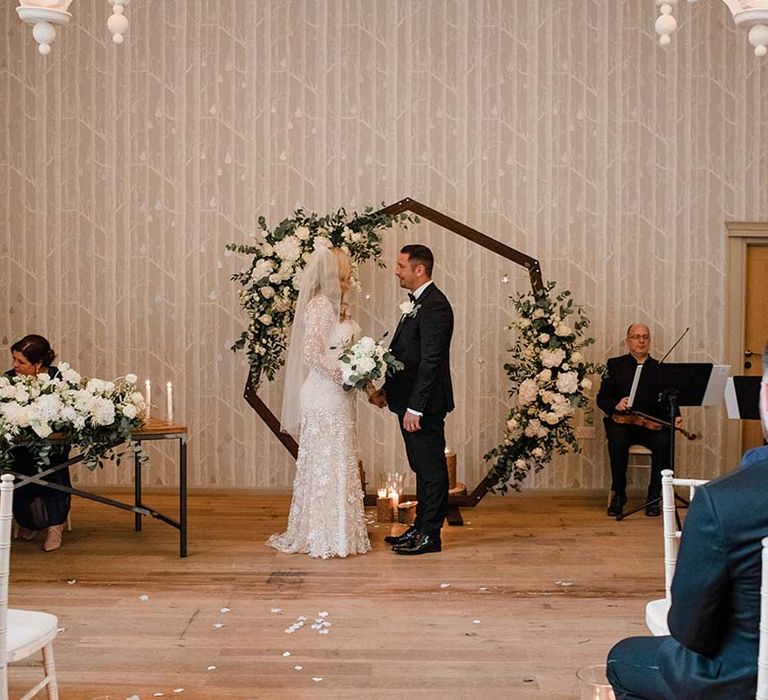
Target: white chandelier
<point>43,14</point>
<point>746,13</point>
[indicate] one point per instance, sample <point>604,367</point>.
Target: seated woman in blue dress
<point>36,507</point>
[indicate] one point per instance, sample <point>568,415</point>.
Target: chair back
<point>762,655</point>
<point>669,516</point>
<point>6,520</point>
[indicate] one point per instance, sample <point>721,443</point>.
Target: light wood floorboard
<point>395,631</point>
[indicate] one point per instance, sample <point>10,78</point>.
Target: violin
<point>645,421</point>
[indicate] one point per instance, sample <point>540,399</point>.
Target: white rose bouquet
<point>364,362</point>
<point>549,381</point>
<point>94,414</point>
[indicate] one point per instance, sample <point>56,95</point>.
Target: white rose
<point>586,384</point>
<point>322,242</point>
<point>520,463</point>
<point>41,429</point>
<point>262,268</point>
<point>544,376</point>
<point>533,428</point>
<point>543,338</point>
<point>136,398</point>
<point>577,358</point>
<point>103,411</point>
<point>568,382</point>
<point>524,323</point>
<point>551,418</point>
<point>366,365</point>
<point>512,424</point>
<point>267,292</point>
<point>71,377</point>
<point>21,395</point>
<point>563,330</point>
<point>7,392</point>
<point>527,392</point>
<point>539,313</point>
<point>537,452</point>
<point>302,233</point>
<point>131,378</point>
<point>129,411</point>
<point>95,386</point>
<point>109,387</point>
<point>265,319</point>
<point>267,249</point>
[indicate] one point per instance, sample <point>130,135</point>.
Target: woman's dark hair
<point>36,349</point>
<point>420,254</point>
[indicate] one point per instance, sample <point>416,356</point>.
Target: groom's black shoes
<point>421,544</point>
<point>408,536</point>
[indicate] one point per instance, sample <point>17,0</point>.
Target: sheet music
<point>635,382</point>
<point>716,385</point>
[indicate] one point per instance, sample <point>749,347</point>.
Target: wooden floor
<point>532,588</point>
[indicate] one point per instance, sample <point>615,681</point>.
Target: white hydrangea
<point>568,382</point>
<point>288,249</point>
<point>263,268</point>
<point>552,358</point>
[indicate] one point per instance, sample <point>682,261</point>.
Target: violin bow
<point>685,332</point>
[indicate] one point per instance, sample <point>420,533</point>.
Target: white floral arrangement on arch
<point>550,380</point>
<point>269,286</point>
<point>96,415</point>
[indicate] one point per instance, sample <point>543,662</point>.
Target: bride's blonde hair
<point>345,279</point>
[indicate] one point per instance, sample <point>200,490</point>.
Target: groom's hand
<point>411,422</point>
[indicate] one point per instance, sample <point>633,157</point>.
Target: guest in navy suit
<point>711,652</point>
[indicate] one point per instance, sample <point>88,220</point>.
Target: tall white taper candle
<point>148,396</point>
<point>169,393</point>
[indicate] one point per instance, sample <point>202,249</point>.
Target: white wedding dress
<point>327,517</point>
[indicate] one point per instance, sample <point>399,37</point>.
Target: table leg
<point>137,489</point>
<point>183,496</point>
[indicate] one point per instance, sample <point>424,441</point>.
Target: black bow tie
<point>412,297</point>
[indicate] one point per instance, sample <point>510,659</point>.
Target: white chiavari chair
<point>22,632</point>
<point>656,610</point>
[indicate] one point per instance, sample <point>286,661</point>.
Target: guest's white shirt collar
<point>418,292</point>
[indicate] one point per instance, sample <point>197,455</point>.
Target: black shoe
<point>653,510</point>
<point>421,544</point>
<point>616,508</point>
<point>408,536</point>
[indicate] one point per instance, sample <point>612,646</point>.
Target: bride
<point>327,517</point>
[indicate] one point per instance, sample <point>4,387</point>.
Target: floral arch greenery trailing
<point>548,372</point>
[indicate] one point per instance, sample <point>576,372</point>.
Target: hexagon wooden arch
<point>534,272</point>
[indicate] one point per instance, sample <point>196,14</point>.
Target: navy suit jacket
<point>422,342</point>
<point>715,612</point>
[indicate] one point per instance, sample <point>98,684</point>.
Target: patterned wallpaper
<point>558,127</point>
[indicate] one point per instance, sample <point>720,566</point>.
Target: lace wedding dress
<point>327,518</point>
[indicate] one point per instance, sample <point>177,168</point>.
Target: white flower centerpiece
<point>549,376</point>
<point>269,286</point>
<point>365,362</point>
<point>96,415</point>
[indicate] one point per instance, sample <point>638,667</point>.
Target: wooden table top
<point>158,426</point>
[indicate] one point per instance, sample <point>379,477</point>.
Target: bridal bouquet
<point>94,414</point>
<point>366,361</point>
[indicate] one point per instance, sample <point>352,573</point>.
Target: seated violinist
<point>613,397</point>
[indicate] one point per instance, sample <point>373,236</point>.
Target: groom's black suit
<point>422,343</point>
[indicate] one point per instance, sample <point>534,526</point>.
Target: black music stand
<point>669,386</point>
<point>742,398</point>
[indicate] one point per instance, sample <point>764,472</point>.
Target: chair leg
<point>50,672</point>
<point>69,522</point>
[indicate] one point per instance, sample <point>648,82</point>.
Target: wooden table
<point>154,429</point>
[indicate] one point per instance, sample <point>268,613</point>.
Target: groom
<point>421,394</point>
